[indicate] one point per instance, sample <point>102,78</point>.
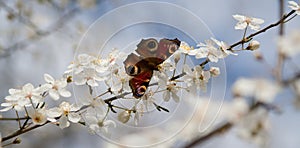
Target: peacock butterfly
<point>151,53</point>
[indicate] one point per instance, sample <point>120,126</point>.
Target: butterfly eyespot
<point>132,70</point>
<point>141,90</point>
<point>152,45</point>
<point>163,57</point>
<point>172,49</point>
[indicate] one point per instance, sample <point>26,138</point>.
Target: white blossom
<point>99,123</point>
<point>96,104</point>
<point>214,71</point>
<point>262,90</point>
<point>244,21</point>
<point>38,116</point>
<point>160,77</point>
<point>185,48</point>
<point>203,120</point>
<point>81,62</point>
<point>28,93</point>
<point>20,98</point>
<point>86,69</point>
<point>57,87</point>
<point>166,66</point>
<point>89,77</point>
<point>254,127</point>
<point>66,112</point>
<point>236,110</point>
<point>294,6</point>
<point>224,47</point>
<point>171,92</point>
<point>120,82</point>
<point>89,70</point>
<point>289,45</point>
<point>11,102</point>
<point>196,79</point>
<point>208,50</point>
<point>114,55</point>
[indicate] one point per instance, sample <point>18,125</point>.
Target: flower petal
<point>28,87</point>
<point>6,109</point>
<point>48,78</point>
<point>64,93</point>
<point>175,97</point>
<point>293,5</point>
<point>109,123</point>
<point>63,122</point>
<point>54,94</point>
<point>240,26</point>
<point>257,21</point>
<point>166,96</point>
<point>74,117</point>
<point>92,83</point>
<point>239,18</point>
<point>13,91</point>
<point>54,112</point>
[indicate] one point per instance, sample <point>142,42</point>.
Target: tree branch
<point>38,33</point>
<point>284,17</point>
<point>14,119</point>
<point>21,131</point>
<point>226,126</point>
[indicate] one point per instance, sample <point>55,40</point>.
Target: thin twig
<point>226,126</point>
<point>21,18</point>
<point>263,30</point>
<point>21,131</point>
<point>281,57</point>
<point>19,122</point>
<point>281,12</point>
<point>13,119</point>
<point>39,33</point>
<point>219,130</point>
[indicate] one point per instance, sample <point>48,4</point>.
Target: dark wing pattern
<point>140,83</point>
<point>151,54</point>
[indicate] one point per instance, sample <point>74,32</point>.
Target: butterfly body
<point>151,53</point>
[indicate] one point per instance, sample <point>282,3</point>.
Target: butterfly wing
<point>155,52</point>
<point>134,65</point>
<point>147,48</point>
<point>140,83</point>
<point>151,54</point>
<point>166,48</point>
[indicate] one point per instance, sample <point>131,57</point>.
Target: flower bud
<point>253,45</point>
<point>214,71</point>
<point>124,116</point>
<point>17,141</point>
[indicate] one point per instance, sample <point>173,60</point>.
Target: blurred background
<point>41,36</point>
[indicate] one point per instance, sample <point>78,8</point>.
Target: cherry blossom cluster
<point>92,71</point>
<point>31,100</point>
<point>253,97</point>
